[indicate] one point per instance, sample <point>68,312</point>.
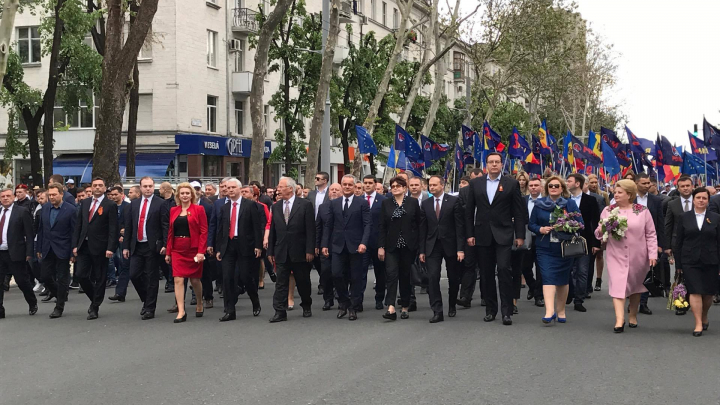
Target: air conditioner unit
<point>234,44</point>
<point>363,19</point>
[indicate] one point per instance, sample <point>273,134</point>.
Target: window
<point>395,18</point>
<point>266,117</point>
<point>373,14</point>
<point>28,44</point>
<point>212,113</point>
<point>145,112</point>
<point>146,50</point>
<point>239,57</point>
<point>212,48</point>
<point>83,118</point>
<point>239,117</point>
<point>384,13</point>
<point>359,7</point>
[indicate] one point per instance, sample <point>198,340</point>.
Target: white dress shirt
<point>149,202</point>
<point>689,203</point>
<point>576,199</point>
<point>435,200</point>
<point>7,214</point>
<point>319,199</point>
<point>237,213</point>
<point>99,201</point>
<point>291,201</point>
<point>349,200</point>
<point>642,200</point>
<point>372,198</point>
<point>531,204</point>
<point>700,218</point>
<point>492,187</point>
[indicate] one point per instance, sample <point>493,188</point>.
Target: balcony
<point>242,83</point>
<point>244,20</point>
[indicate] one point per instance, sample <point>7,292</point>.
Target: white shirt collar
<point>441,198</point>
<point>99,199</point>
<point>8,209</point>
<point>290,201</point>
<point>372,196</point>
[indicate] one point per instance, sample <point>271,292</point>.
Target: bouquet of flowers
<point>678,299</point>
<point>614,225</point>
<point>563,221</point>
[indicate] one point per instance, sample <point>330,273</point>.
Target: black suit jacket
<point>19,234</point>
<point>249,232</point>
<point>58,237</point>
<point>655,205</point>
<point>447,230</point>
<point>313,193</point>
<point>322,218</point>
<point>506,217</point>
<point>375,212</point>
<point>714,204</point>
<point>347,230</point>
<point>292,241</point>
<point>672,217</point>
<point>213,198</point>
<point>213,227</point>
<point>695,246</point>
<point>165,217</point>
<point>153,225</point>
<point>591,217</point>
<point>410,225</point>
<point>101,232</point>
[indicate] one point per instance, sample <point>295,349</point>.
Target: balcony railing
<point>244,20</point>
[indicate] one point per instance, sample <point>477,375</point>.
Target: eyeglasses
<point>396,186</point>
<point>319,178</point>
<point>554,186</point>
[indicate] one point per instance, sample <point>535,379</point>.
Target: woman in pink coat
<point>629,259</point>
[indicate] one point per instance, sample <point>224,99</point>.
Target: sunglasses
<point>319,178</point>
<point>396,186</point>
<point>554,186</point>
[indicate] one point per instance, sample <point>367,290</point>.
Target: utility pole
<point>325,135</point>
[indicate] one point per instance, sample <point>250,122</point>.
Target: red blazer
<point>197,221</point>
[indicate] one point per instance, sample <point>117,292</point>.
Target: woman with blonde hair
<point>186,246</point>
<point>630,253</point>
<point>523,178</point>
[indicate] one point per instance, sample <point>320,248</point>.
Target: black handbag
<point>653,285</point>
<point>418,273</point>
<point>575,247</point>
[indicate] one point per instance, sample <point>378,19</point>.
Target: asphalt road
<point>119,359</point>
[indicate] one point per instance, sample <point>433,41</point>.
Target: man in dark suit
<point>239,241</point>
<point>326,278</point>
<point>16,246</point>
<point>375,202</point>
<point>495,214</point>
<point>348,231</point>
<point>527,258</point>
<point>442,237</point>
<point>117,195</point>
<point>94,242</point>
<point>142,245</point>
<point>591,216</point>
<point>210,263</point>
<point>168,195</point>
<point>213,231</point>
<point>292,247</point>
<point>469,268</point>
<point>317,197</point>
<point>54,246</point>
<point>675,208</point>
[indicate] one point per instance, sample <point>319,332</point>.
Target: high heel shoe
<point>632,325</point>
<point>697,334</point>
<point>181,320</point>
<point>706,326</point>
<point>620,329</point>
<point>199,314</point>
<point>561,320</point>
<point>549,320</point>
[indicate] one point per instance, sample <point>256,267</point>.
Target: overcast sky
<point>669,68</point>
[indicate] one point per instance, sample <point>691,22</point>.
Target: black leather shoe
<point>193,301</point>
<point>388,315</point>
<point>228,317</point>
<point>278,317</point>
<point>645,310</point>
<point>482,303</point>
<point>437,317</point>
<point>92,314</point>
<point>2,313</point>
<point>507,320</point>
<point>620,329</point>
<point>697,334</point>
<point>307,313</point>
<point>341,313</point>
<point>148,315</point>
<point>33,309</point>
<point>489,318</point>
<point>56,313</point>
<point>256,310</point>
<point>568,300</point>
<point>706,326</point>
<point>404,315</point>
<point>530,295</point>
<point>273,277</point>
<point>379,305</point>
<point>118,298</point>
<point>321,290</point>
<point>142,312</point>
<point>353,315</point>
<point>539,302</point>
<point>515,310</point>
<point>181,320</point>
<point>412,307</point>
<point>632,325</point>
<point>44,293</point>
<point>174,309</point>
<point>580,308</point>
<point>598,284</point>
<point>48,298</point>
<point>463,302</point>
<point>452,312</point>
<point>328,305</point>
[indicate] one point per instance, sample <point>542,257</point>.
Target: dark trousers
<point>397,269</point>
<point>346,265</point>
<point>301,271</point>
<point>522,266</point>
<point>123,272</point>
<point>579,277</point>
<point>23,278</point>
<point>499,256</point>
<point>144,274</point>
<point>238,269</point>
<point>434,267</point>
<point>56,277</point>
<point>326,279</point>
<point>371,256</point>
<point>468,274</point>
<point>591,272</point>
<point>207,277</point>
<point>166,270</point>
<point>91,271</point>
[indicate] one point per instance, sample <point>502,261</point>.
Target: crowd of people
<point>500,233</point>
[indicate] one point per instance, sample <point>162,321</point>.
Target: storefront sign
<point>192,144</point>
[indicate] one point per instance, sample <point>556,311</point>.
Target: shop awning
<point>76,166</point>
<point>146,164</point>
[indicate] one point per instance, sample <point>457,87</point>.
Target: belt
<point>182,237</point>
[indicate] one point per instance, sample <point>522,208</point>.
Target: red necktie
<point>369,199</point>
<point>2,225</point>
<point>141,224</point>
<point>92,209</point>
<point>233,218</point>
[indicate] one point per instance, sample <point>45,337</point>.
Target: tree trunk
<point>258,87</point>
<point>369,123</point>
<point>118,64</point>
<point>313,156</point>
<point>132,123</point>
<point>7,26</point>
<point>34,146</point>
<point>440,70</point>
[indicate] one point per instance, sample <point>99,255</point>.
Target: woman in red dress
<point>187,242</point>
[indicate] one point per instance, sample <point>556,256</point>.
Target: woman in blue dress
<point>555,269</point>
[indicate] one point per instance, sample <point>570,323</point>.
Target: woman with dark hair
<point>697,246</point>
<point>400,222</point>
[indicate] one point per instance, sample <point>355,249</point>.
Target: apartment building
<point>195,78</point>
